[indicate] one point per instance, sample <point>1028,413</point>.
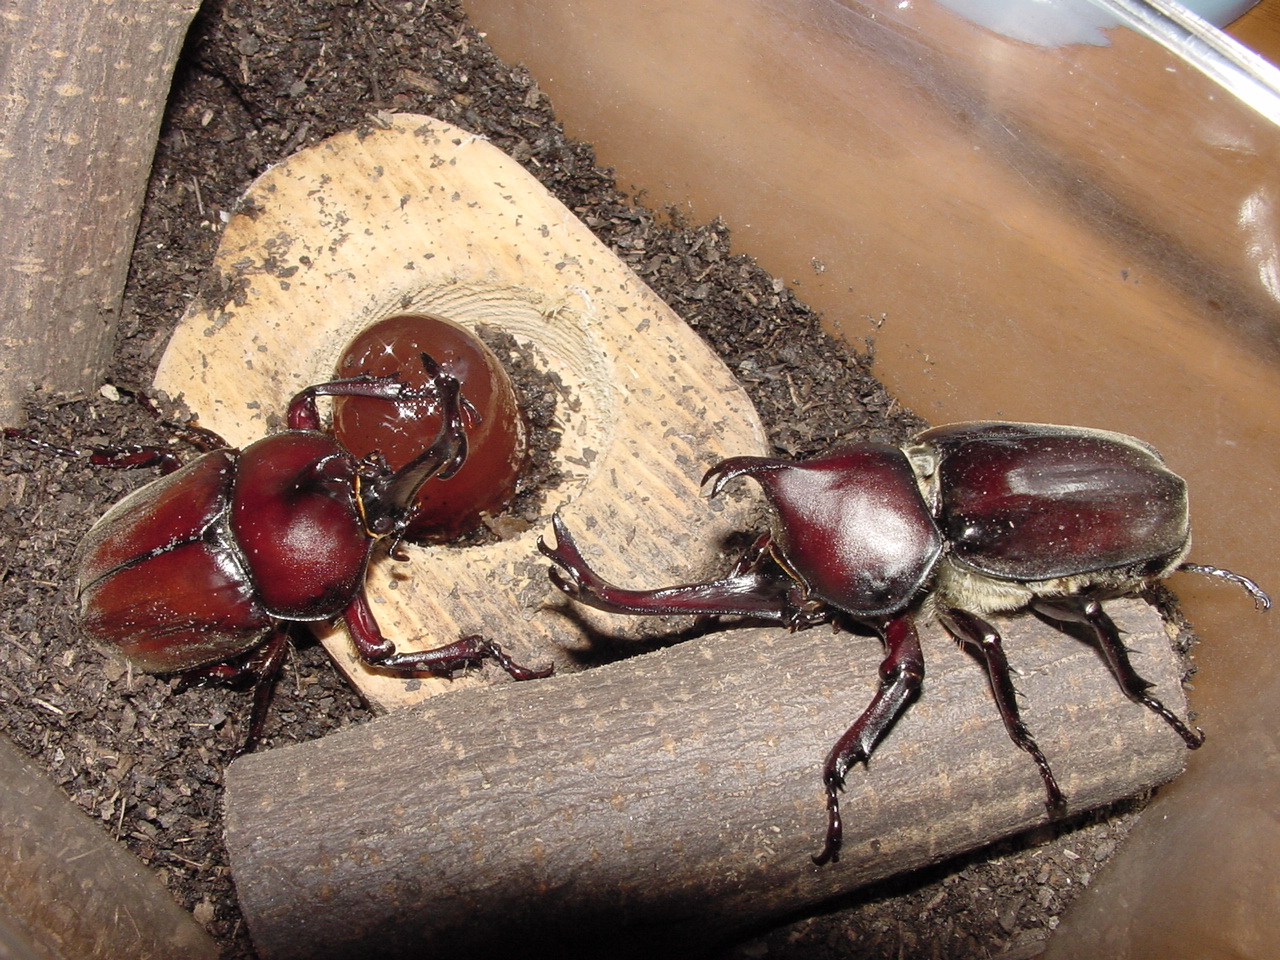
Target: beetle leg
<point>134,457</point>
<point>748,591</point>
<point>266,668</point>
<point>986,641</point>
<point>470,651</point>
<point>303,413</point>
<point>1089,612</point>
<point>901,674</point>
<point>1260,598</point>
<point>467,652</point>
<point>754,556</point>
<point>202,438</point>
<point>750,562</point>
<point>262,666</point>
<point>13,433</point>
<point>130,457</point>
<point>365,633</point>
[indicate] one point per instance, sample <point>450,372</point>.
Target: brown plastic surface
<point>1082,234</point>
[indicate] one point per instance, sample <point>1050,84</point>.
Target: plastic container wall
<point>1078,226</point>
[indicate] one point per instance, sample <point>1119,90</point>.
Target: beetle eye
<point>381,527</point>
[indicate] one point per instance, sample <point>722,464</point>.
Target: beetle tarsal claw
<point>490,649</point>
<point>832,783</point>
<point>571,570</point>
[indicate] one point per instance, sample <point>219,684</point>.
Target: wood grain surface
<point>414,215</point>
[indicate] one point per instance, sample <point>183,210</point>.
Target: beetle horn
<point>734,467</point>
<point>390,499</point>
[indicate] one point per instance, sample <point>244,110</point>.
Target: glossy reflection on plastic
<point>1057,23</point>
<point>1048,23</point>
<point>1080,234</point>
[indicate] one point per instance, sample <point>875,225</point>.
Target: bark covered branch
<point>82,92</point>
<point>669,799</point>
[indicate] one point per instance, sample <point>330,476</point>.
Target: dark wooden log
<point>84,89</point>
<point>667,800</point>
<point>68,890</point>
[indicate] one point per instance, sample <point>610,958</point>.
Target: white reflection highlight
<point>1047,23</point>
<point>1257,220</point>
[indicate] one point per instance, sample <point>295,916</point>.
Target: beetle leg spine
<point>1088,611</point>
<point>971,629</point>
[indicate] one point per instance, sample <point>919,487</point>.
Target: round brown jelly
<point>496,449</point>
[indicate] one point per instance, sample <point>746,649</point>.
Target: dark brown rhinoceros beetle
<point>964,520</point>
<point>201,571</point>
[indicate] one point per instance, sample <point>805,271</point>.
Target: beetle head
<point>851,527</point>
<point>387,497</point>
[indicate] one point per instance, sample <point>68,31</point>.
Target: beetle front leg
<point>901,674</point>
<point>130,457</point>
<point>1089,612</point>
<point>136,457</point>
<point>469,651</point>
<point>986,641</point>
<point>303,414</point>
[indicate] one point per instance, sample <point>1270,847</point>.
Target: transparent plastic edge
<point>1248,76</point>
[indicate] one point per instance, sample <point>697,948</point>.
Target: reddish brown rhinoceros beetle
<point>201,571</point>
<point>965,519</point>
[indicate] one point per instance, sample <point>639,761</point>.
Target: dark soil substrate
<point>257,82</point>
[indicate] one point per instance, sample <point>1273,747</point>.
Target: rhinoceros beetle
<point>964,520</point>
<point>200,572</point>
